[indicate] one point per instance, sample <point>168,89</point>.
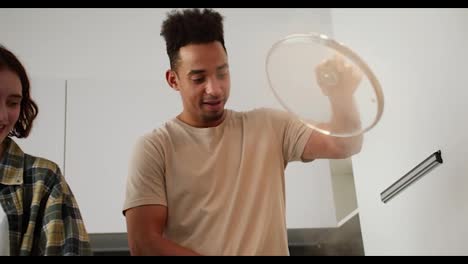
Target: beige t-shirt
<point>223,186</point>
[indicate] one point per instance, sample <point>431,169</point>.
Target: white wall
<point>86,43</point>
<point>421,59</point>
<point>113,57</point>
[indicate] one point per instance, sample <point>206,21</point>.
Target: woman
<point>38,214</point>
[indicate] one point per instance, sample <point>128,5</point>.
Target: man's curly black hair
<point>191,26</point>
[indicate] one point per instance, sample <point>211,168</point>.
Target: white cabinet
<point>48,133</point>
<point>104,119</point>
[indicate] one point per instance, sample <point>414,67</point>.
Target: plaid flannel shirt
<point>43,216</point>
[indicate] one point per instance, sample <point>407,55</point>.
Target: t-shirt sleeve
<point>293,133</point>
<point>146,174</point>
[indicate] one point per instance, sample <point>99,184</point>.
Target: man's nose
<point>214,87</point>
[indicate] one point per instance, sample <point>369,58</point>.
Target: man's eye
<point>199,80</point>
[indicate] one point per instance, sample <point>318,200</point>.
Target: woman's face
<point>10,102</point>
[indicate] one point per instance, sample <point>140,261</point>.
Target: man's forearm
<point>346,119</point>
<point>345,115</point>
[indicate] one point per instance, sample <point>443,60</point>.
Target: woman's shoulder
<point>18,158</point>
<point>40,163</point>
<point>40,171</point>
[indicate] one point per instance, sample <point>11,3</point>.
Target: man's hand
<point>336,78</point>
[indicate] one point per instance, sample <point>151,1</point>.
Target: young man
<point>211,180</point>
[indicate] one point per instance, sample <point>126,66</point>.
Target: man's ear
<point>172,80</point>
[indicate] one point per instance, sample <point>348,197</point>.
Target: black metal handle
<point>413,175</point>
